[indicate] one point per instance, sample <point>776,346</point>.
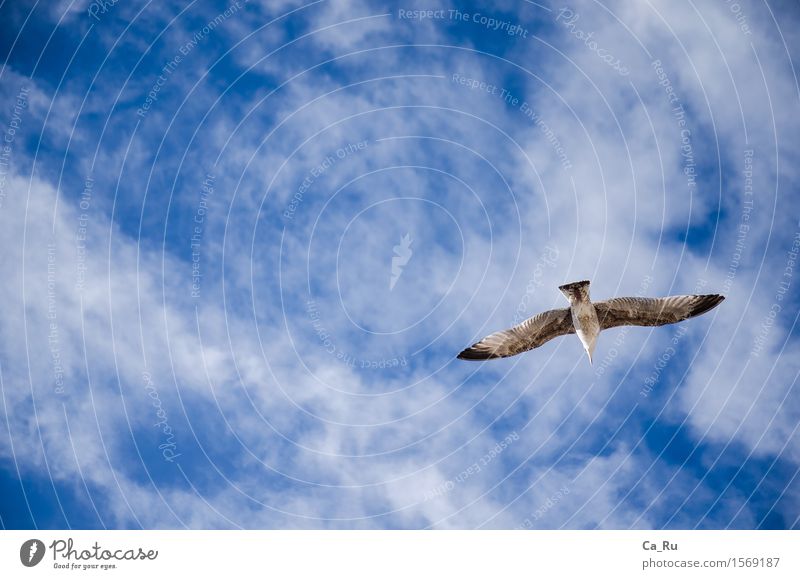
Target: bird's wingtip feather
<point>706,303</point>
<point>474,353</point>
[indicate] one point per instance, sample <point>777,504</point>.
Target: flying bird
<point>588,319</point>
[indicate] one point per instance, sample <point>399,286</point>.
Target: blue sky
<point>212,319</point>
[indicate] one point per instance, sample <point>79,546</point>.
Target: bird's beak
<point>590,357</point>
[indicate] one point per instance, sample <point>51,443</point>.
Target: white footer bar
<point>401,554</point>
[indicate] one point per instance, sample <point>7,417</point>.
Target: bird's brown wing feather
<point>653,311</point>
<point>530,334</point>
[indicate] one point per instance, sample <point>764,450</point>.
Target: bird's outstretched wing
<point>653,311</point>
<point>530,334</point>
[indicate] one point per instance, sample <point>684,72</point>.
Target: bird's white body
<point>587,327</point>
<point>584,316</point>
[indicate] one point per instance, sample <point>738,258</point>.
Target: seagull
<point>588,319</point>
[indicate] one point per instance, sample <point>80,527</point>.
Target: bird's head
<point>576,291</point>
